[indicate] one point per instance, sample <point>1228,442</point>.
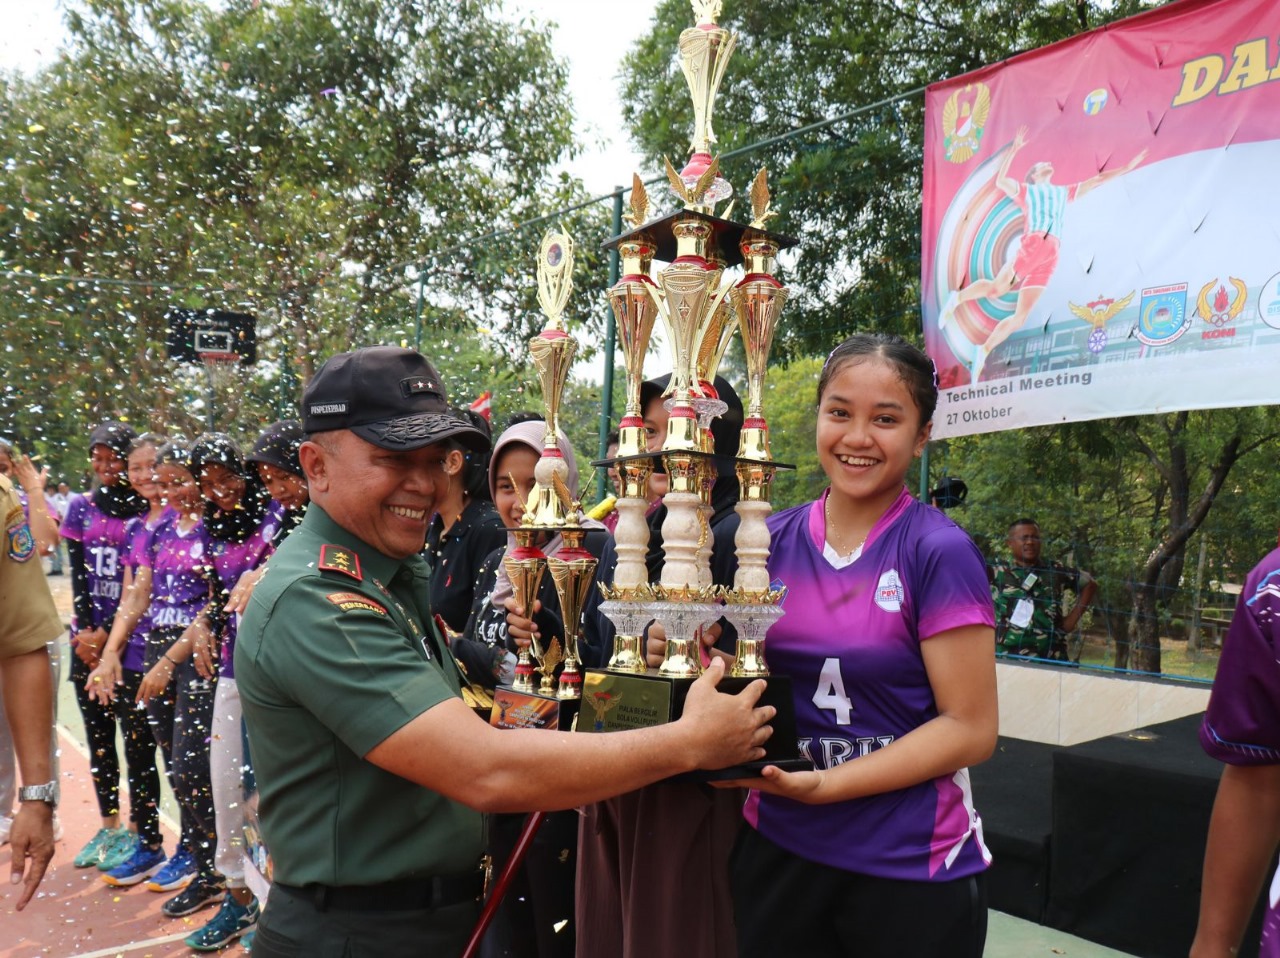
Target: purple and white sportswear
<point>234,559</point>
<point>106,549</point>
<point>850,641</point>
<point>179,564</point>
<point>1242,724</point>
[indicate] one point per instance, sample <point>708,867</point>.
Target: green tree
<point>295,159</point>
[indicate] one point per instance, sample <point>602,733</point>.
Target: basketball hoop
<point>222,342</point>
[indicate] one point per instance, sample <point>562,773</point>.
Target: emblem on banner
<point>1218,307</point>
<point>1097,314</point>
<point>1095,101</point>
<point>963,117</point>
<point>1269,302</point>
<point>1162,317</point>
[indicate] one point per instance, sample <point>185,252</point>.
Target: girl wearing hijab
<point>465,529</point>
<point>242,523</point>
<point>98,543</point>
<point>669,842</point>
<point>536,917</point>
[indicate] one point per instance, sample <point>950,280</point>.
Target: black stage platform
<point>1104,840</point>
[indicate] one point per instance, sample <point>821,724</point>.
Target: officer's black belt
<point>409,894</point>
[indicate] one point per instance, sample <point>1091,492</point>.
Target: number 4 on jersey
<point>830,693</point>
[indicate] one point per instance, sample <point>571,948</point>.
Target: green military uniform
<point>1030,608</point>
<point>336,652</point>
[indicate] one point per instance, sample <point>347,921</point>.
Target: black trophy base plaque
<point>614,701</point>
<point>512,709</point>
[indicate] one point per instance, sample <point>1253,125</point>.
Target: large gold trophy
<point>550,511</point>
<point>701,307</point>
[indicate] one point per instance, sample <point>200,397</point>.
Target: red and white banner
<point>1101,227</point>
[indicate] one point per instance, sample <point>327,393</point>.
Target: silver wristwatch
<point>39,793</point>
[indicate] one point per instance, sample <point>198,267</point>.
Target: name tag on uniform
<point>1021,617</point>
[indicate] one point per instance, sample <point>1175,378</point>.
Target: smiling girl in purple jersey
<point>173,578</point>
<point>114,682</point>
<point>95,528</point>
<point>889,640</point>
<point>242,522</point>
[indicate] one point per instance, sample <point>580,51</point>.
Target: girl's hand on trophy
<point>521,628</point>
<point>655,644</point>
<point>804,787</point>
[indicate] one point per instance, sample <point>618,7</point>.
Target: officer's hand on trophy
<point>726,729</point>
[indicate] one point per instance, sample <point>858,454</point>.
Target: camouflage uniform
<point>1043,635</point>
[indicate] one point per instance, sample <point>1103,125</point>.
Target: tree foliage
<point>296,159</point>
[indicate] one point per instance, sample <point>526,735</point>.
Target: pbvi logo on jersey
<point>889,594</point>
<point>963,117</point>
<point>1218,307</point>
<point>1162,317</point>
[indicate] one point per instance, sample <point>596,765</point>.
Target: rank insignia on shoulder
<point>354,602</point>
<point>340,559</point>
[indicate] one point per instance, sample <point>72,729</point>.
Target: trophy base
<point>614,701</point>
<point>512,709</point>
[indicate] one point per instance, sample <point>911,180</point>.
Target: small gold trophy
<point>701,309</point>
<point>551,510</point>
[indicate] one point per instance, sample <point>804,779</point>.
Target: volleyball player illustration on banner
<point>1043,205</point>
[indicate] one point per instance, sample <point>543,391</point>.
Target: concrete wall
<point>1066,706</point>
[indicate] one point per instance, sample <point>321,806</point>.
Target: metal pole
<point>422,279</point>
<point>610,346</point>
<point>210,396</point>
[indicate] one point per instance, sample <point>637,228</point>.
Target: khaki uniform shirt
<point>28,617</point>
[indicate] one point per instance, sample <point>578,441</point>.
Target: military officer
<point>1031,616</point>
<point>373,773</point>
<point>28,622</point>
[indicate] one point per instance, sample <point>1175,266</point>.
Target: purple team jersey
<point>234,559</point>
<point>1242,723</point>
<point>179,564</point>
<point>850,641</point>
<point>106,550</point>
<point>139,529</point>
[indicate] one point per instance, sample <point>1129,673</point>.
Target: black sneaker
<point>201,893</point>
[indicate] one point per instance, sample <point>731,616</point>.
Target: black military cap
<point>388,396</point>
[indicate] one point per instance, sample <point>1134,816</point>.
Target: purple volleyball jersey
<point>139,530</point>
<point>234,559</point>
<point>850,641</point>
<point>1242,724</point>
<point>106,550</point>
<point>179,564</point>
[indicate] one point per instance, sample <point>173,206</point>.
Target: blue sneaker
<point>231,921</point>
<point>142,864</point>
<point>177,873</point>
<point>117,849</point>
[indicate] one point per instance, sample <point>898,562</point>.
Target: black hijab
<point>121,500</point>
<point>725,431</point>
<point>231,525</point>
